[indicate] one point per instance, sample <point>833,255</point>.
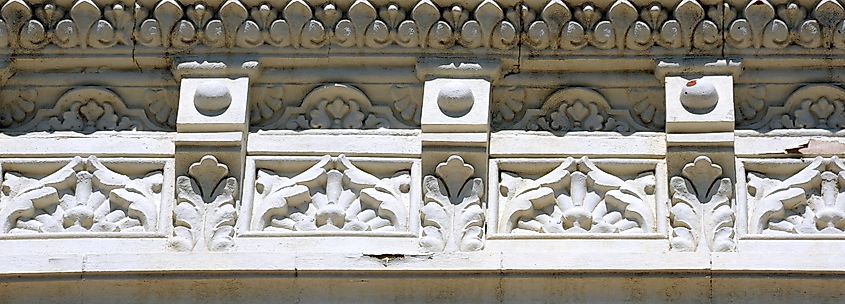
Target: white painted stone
<point>213,105</point>
<point>456,105</point>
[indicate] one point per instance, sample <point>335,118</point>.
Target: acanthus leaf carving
<point>331,195</point>
<point>810,201</point>
<point>452,216</point>
<point>82,196</point>
<point>206,207</point>
<point>577,197</point>
<point>701,216</point>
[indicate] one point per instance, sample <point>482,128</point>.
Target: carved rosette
<point>701,216</point>
<point>206,207</point>
<point>82,196</point>
<point>810,201</point>
<point>576,197</point>
<point>452,216</point>
<point>572,109</point>
<point>331,195</point>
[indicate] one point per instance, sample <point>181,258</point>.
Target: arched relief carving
<point>573,109</point>
<point>90,109</point>
<point>341,106</point>
<point>809,107</point>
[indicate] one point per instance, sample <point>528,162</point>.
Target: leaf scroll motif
<point>206,208</point>
<point>452,217</point>
<point>808,202</point>
<point>331,195</point>
<point>577,197</point>
<point>82,196</point>
<point>701,216</point>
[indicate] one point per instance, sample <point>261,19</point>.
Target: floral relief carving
<point>452,215</point>
<point>777,25</point>
<point>810,201</point>
<point>488,24</point>
<point>576,197</point>
<point>701,216</point>
<point>206,207</point>
<point>82,24</point>
<point>336,106</point>
<point>809,107</point>
<point>572,109</point>
<point>569,27</point>
<point>90,109</point>
<point>331,195</point>
<point>82,196</point>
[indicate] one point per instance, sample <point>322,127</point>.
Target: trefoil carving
<point>206,207</point>
<point>701,217</point>
<point>452,215</point>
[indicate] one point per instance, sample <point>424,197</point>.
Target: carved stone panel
<point>452,214</point>
<point>796,197</point>
<point>815,106</point>
<point>86,109</point>
<point>83,195</point>
<point>702,214</point>
<point>335,106</point>
<point>576,196</point>
<point>295,195</point>
<point>207,201</point>
<point>575,109</point>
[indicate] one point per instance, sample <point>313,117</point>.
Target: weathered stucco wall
<point>422,151</point>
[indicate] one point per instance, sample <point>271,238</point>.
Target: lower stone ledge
<point>516,263</point>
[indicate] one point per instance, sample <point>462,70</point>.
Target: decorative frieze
<point>576,196</point>
<point>80,195</point>
<point>782,201</point>
<point>332,194</point>
<point>497,25</point>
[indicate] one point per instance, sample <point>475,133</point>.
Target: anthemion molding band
<point>422,151</point>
